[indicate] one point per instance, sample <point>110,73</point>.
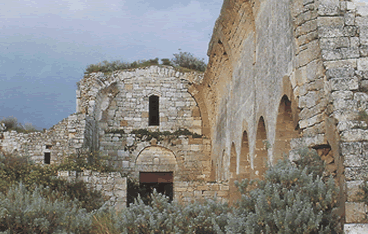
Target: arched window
<point>154,114</point>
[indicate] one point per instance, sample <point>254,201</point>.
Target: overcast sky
<point>45,45</point>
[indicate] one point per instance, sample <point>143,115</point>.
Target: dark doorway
<point>161,181</point>
<point>47,158</point>
<point>154,115</point>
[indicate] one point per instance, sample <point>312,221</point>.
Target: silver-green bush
<point>293,198</point>
<point>22,211</point>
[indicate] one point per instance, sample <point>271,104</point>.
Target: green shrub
<point>182,60</point>
<point>162,216</point>
<point>166,61</point>
<point>11,123</point>
<point>16,169</point>
<point>85,161</point>
<point>160,135</point>
<point>22,211</point>
<point>291,199</point>
<point>187,60</point>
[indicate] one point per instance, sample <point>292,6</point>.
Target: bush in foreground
<point>162,216</point>
<point>16,169</point>
<point>22,211</point>
<point>291,199</point>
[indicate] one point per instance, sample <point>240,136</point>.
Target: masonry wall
<point>119,104</point>
<point>60,140</point>
<point>294,65</point>
<point>112,185</point>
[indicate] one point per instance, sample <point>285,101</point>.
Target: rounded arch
<point>285,129</point>
<point>156,159</point>
<point>154,93</point>
<point>260,159</point>
<point>202,108</point>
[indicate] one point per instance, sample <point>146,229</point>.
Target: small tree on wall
<point>187,60</point>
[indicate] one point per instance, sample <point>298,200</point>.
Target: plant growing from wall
<point>147,135</point>
<point>183,62</point>
<point>11,124</point>
<point>187,60</point>
<point>85,161</point>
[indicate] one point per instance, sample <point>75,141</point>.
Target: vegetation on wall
<point>183,61</point>
<point>93,161</point>
<point>187,60</point>
<point>147,135</point>
<point>11,123</point>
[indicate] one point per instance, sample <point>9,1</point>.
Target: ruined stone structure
<point>282,75</point>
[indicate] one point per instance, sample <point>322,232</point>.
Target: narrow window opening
<point>48,146</point>
<point>47,158</point>
<point>154,115</point>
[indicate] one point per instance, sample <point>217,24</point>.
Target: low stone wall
<point>61,140</point>
<point>112,184</point>
<point>200,190</point>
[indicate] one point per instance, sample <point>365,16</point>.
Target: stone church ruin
<point>282,75</point>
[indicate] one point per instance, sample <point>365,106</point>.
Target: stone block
<point>345,115</point>
<point>334,43</point>
<point>195,141</point>
<point>344,104</point>
<point>342,95</point>
<point>350,53</point>
<point>340,72</point>
<point>362,64</point>
<point>356,228</point>
<point>362,11</point>
<point>330,21</point>
<point>332,54</point>
<point>349,63</point>
<point>352,189</point>
<point>344,83</point>
<point>306,38</point>
<point>354,135</point>
<point>329,7</point>
<point>355,212</point>
<point>308,100</point>
<point>306,28</point>
<point>349,19</point>
<point>346,125</point>
<point>311,53</point>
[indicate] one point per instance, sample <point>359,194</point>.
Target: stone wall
<point>283,75</point>
<point>112,185</point>
<point>60,140</point>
